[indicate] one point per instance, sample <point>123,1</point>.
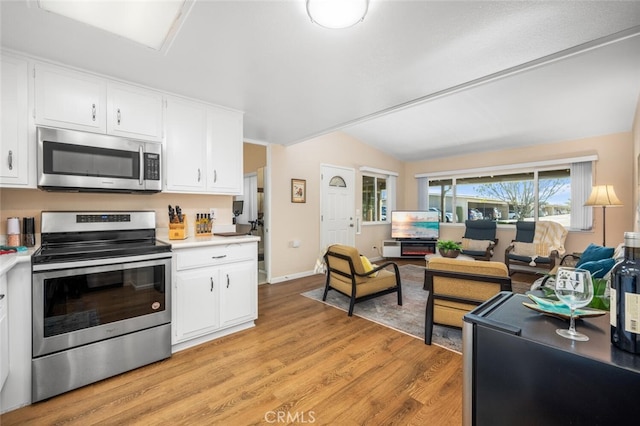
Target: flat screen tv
<point>414,224</point>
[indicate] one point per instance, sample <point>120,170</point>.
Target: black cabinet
<point>517,370</point>
<point>408,248</point>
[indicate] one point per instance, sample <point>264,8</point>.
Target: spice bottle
<point>13,231</point>
<point>625,297</point>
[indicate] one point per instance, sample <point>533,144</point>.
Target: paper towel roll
<point>13,226</point>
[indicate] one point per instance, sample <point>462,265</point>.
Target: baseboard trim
<point>276,280</point>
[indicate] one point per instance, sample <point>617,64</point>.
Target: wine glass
<point>575,289</point>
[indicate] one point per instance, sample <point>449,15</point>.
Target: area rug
<point>408,318</point>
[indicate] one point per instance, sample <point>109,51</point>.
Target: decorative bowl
<point>449,253</point>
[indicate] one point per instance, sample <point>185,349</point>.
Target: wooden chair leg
<point>326,288</point>
<point>428,323</point>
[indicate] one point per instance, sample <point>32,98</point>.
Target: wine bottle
<point>624,307</point>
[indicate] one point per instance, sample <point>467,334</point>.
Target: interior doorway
<point>254,216</point>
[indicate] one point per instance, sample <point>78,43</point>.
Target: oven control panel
<point>102,218</point>
<point>90,221</point>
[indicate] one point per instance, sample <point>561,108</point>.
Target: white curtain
<point>392,187</point>
<point>423,193</point>
<point>581,180</point>
<point>250,198</point>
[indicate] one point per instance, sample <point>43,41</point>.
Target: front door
<point>337,221</point>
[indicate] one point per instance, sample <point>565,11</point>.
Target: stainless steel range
<point>101,298</point>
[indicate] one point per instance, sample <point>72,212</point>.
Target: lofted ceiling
<point>415,79</point>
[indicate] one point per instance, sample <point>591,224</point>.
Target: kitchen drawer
<point>214,255</point>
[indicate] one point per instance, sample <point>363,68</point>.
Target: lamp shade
<point>336,14</point>
<point>603,195</point>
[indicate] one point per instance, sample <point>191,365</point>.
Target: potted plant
<point>448,248</point>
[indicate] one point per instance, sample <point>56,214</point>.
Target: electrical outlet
<point>214,213</point>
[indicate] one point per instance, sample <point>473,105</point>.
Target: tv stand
<point>408,248</point>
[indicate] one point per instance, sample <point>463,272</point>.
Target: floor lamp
<point>603,196</point>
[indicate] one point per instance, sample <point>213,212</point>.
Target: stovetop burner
<point>72,236</point>
<point>85,251</point>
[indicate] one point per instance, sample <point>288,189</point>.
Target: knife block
<point>178,231</point>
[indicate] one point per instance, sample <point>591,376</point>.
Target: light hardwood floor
<point>303,363</point>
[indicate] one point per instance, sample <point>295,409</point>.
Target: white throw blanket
<point>320,267</point>
<point>549,236</point>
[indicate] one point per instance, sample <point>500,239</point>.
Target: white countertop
<point>7,261</point>
<point>201,241</point>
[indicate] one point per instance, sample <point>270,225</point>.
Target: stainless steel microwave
<point>70,160</point>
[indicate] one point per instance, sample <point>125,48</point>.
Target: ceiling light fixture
<point>337,14</point>
<point>151,23</point>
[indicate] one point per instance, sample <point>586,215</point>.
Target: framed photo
<point>298,191</point>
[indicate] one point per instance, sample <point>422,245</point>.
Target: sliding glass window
<point>537,194</point>
<point>374,199</point>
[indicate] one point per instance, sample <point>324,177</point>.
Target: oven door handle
<point>42,267</point>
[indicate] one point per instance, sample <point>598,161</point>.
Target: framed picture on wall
<point>298,191</point>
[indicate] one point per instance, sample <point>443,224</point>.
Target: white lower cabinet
<point>16,391</point>
<point>238,293</point>
<point>4,332</point>
<point>196,303</point>
<point>215,292</point>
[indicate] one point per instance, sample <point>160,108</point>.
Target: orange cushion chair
<point>347,275</point>
<point>457,286</point>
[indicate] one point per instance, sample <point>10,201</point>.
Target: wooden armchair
<point>347,275</point>
<point>457,286</point>
<point>479,239</point>
<point>537,246</point>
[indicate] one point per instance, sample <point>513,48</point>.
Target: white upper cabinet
<point>225,152</point>
<point>79,101</point>
<point>69,99</point>
<point>14,130</point>
<point>203,151</point>
<point>185,146</point>
<point>134,112</point>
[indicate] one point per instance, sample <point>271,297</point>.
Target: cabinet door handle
<point>219,257</point>
<point>198,175</point>
<point>10,160</point>
<point>228,281</point>
<point>211,278</point>
<point>215,176</point>
<point>1,296</point>
<point>119,116</point>
<point>93,112</point>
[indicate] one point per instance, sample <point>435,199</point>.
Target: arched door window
<point>337,181</point>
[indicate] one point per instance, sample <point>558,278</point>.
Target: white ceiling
<point>416,79</point>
